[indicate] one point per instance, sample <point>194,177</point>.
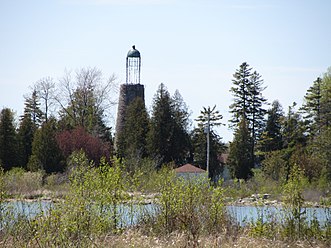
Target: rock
<point>266,196</point>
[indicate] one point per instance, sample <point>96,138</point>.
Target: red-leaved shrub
<point>78,139</point>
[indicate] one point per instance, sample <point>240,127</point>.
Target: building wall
<point>192,175</point>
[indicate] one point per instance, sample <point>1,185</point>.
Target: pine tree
<point>133,138</point>
<point>325,108</point>
<point>240,158</point>
<point>25,138</point>
<point>165,137</point>
<point>46,154</point>
<point>248,103</point>
<point>256,112</point>
<point>32,109</point>
<point>271,138</point>
<point>312,106</point>
<point>32,118</point>
<point>181,115</point>
<point>240,91</point>
<point>8,140</point>
<point>294,135</point>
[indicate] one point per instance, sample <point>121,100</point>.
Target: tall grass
<point>185,213</point>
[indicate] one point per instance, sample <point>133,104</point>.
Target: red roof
<point>188,168</point>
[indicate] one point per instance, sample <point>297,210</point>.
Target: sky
<point>193,46</point>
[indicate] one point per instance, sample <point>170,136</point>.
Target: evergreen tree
<point>25,138</point>
<point>8,140</point>
<point>240,91</point>
<point>31,119</point>
<point>325,108</point>
<point>271,138</point>
<point>46,154</point>
<point>312,106</point>
<point>240,158</point>
<point>294,135</point>
<point>182,141</point>
<point>133,138</point>
<point>248,103</point>
<point>166,132</point>
<point>294,129</point>
<point>256,112</point>
<point>32,109</point>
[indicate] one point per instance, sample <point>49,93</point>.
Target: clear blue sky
<point>193,46</point>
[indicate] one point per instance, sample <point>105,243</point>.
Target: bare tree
<point>84,98</point>
<point>45,88</point>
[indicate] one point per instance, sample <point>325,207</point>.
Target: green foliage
<point>274,165</point>
<point>293,200</point>
<point>46,154</point>
<point>248,100</point>
<point>32,109</point>
<point>25,138</point>
<point>132,140</point>
<point>188,205</point>
<point>240,158</point>
<point>8,140</point>
<point>271,138</point>
<point>168,136</point>
<point>312,106</point>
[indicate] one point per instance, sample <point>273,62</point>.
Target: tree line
<point>71,114</point>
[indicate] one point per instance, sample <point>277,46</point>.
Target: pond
<point>130,214</point>
<point>250,214</point>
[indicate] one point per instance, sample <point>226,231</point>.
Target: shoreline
<point>146,199</point>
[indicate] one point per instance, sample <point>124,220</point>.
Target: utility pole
<point>209,117</point>
<point>208,141</point>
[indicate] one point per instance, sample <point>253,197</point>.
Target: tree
<point>31,119</point>
<point>271,139</point>
<point>84,101</point>
<point>165,137</point>
<point>8,140</point>
<point>46,154</point>
<point>182,141</point>
<point>209,118</point>
<point>32,109</point>
<point>207,144</point>
<point>25,136</point>
<point>248,103</point>
<point>132,141</point>
<point>325,108</point>
<point>240,91</point>
<point>294,129</point>
<point>45,88</point>
<point>256,111</point>
<point>312,106</point>
<point>294,135</point>
<point>70,141</point>
<point>240,158</point>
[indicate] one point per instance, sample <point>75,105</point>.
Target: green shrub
<point>190,206</point>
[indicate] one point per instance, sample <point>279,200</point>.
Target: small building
<point>189,171</point>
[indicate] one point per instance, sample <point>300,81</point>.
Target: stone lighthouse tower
<point>130,90</point>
